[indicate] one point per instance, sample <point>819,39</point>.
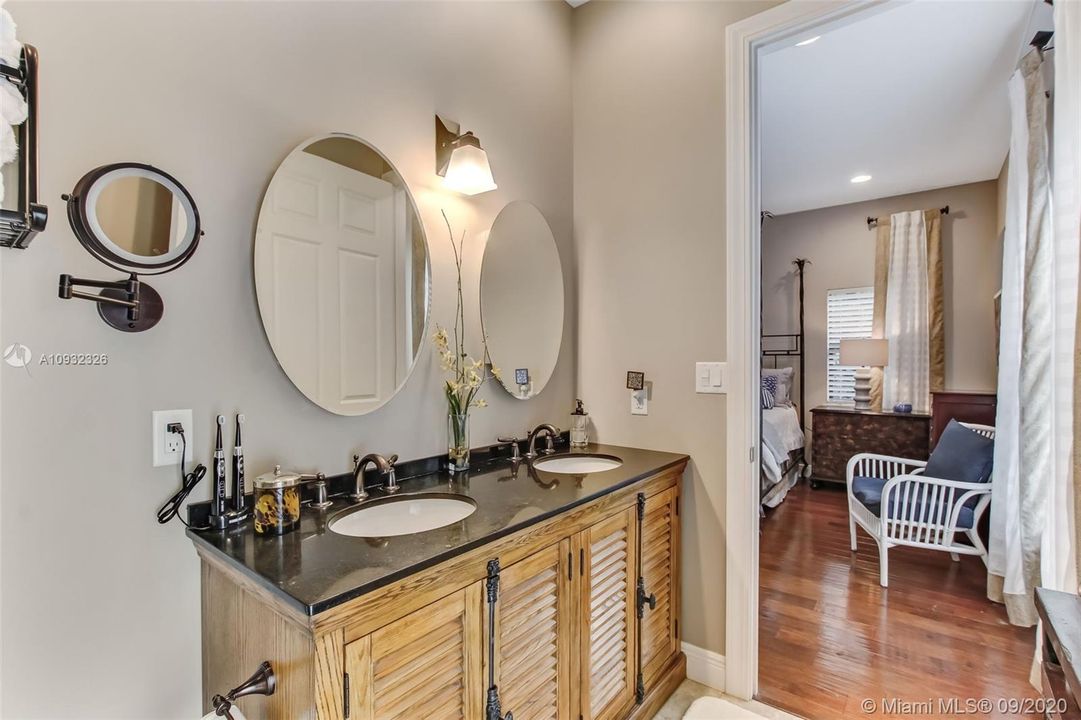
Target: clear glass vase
<point>458,442</point>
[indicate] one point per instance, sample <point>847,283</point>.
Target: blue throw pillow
<point>962,454</point>
<point>769,391</point>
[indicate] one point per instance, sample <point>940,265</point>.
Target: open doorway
<point>873,122</point>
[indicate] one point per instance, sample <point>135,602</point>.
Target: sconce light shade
<point>461,161</point>
<point>468,171</point>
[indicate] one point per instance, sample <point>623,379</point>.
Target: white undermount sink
<point>577,464</point>
<point>405,515</point>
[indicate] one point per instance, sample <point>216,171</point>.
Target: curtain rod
<point>872,222</point>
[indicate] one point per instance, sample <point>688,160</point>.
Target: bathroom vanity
<point>561,587</point>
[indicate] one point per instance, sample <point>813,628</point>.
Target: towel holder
<point>18,227</point>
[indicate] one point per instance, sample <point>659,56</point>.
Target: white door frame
<point>743,42</point>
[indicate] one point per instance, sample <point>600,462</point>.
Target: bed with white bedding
<point>782,453</point>
<point>783,459</point>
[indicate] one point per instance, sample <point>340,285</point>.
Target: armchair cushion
<point>962,455</point>
<point>868,491</point>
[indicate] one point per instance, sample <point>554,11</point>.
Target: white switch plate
<point>711,377</point>
<point>166,444</point>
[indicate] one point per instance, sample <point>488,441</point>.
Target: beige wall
<point>217,94</point>
<point>842,252</point>
<point>649,173</point>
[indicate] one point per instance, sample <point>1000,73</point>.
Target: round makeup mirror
<point>342,274</point>
<point>521,299</point>
<point>134,218</point>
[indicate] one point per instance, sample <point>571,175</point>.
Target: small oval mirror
<point>521,299</point>
<point>134,218</point>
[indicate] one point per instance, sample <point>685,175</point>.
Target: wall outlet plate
<point>167,445</point>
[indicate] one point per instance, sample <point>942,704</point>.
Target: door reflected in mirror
<point>521,299</point>
<point>342,274</point>
<point>141,216</point>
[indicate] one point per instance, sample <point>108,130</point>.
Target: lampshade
<point>870,352</point>
<point>468,171</point>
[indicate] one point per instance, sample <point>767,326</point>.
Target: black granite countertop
<point>315,569</point>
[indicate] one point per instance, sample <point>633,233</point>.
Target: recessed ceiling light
<point>808,41</point>
<point>860,178</point>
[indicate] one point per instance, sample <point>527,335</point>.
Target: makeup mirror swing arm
<point>129,287</point>
<point>128,305</point>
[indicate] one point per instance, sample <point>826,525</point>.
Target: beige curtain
<point>937,325</point>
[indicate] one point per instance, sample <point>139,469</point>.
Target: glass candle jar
<point>277,502</point>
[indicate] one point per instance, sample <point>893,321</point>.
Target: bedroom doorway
<point>827,638</point>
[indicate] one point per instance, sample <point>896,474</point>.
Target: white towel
<point>9,146</point>
<point>13,106</point>
<point>9,150</point>
<point>10,47</point>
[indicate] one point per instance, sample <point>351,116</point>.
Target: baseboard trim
<point>704,666</point>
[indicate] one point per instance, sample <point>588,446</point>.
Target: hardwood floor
<point>830,636</point>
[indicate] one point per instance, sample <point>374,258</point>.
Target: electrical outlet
<point>167,445</point>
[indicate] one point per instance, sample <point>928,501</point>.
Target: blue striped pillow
<point>769,391</point>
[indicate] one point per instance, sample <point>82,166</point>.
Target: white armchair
<point>897,504</point>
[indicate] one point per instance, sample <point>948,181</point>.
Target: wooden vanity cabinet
<point>607,604</point>
<point>571,639</point>
<point>535,636</point>
<point>660,573</point>
<point>425,665</point>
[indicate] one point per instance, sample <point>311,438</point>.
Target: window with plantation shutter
<point>849,314</point>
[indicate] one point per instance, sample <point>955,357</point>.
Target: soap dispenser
<point>579,426</point>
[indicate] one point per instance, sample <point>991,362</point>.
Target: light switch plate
<point>167,445</point>
<point>711,377</point>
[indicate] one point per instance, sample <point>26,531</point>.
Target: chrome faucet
<point>513,440</point>
<point>551,432</point>
<point>382,464</point>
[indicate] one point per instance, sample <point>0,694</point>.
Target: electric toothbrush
<point>218,517</point>
<point>240,499</point>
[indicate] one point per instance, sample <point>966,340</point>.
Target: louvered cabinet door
<point>660,573</point>
<point>425,665</point>
<point>607,621</point>
<point>534,636</point>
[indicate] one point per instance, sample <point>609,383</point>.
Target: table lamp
<point>864,354</point>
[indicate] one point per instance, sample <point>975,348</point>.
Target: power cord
<point>188,481</point>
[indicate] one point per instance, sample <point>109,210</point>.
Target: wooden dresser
<point>838,432</point>
<point>972,407</point>
<point>1061,616</point>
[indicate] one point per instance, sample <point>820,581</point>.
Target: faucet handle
<point>513,441</point>
<point>393,459</point>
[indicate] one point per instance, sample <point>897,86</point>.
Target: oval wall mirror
<point>342,274</point>
<point>521,299</point>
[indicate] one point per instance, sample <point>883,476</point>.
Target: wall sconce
<point>460,160</point>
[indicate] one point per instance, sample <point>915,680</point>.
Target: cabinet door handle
<point>645,599</point>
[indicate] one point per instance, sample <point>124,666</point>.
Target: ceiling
<point>914,95</point>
